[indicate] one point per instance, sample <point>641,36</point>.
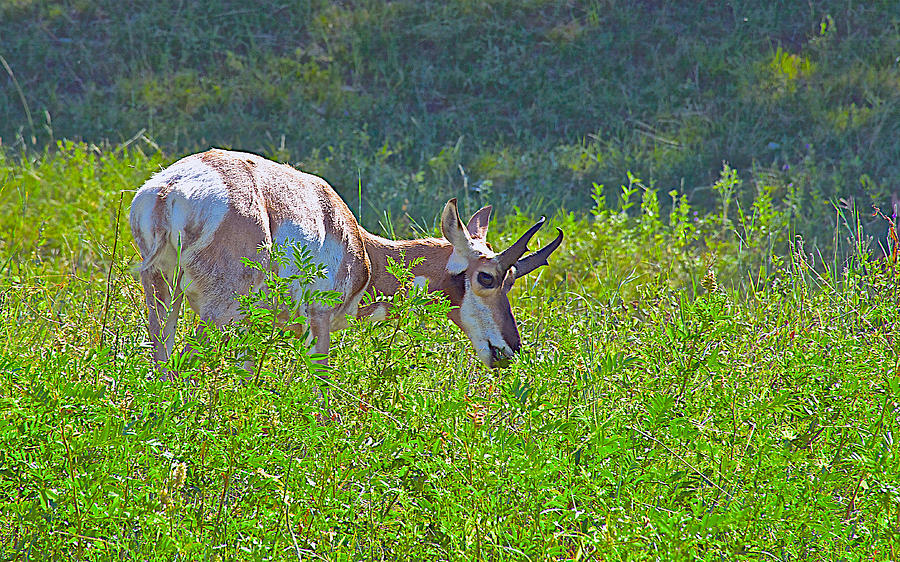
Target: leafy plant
<point>403,342</point>
<point>274,315</point>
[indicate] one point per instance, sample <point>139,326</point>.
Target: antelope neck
<point>436,252</point>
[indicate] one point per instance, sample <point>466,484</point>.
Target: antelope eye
<point>487,280</point>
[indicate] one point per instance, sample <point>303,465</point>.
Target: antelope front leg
<point>320,329</point>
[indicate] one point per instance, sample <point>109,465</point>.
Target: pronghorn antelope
<point>203,213</point>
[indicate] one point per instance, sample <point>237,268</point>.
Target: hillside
<point>516,103</point>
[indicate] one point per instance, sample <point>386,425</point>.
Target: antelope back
<point>206,211</point>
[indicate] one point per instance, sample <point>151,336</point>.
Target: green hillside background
<point>518,103</point>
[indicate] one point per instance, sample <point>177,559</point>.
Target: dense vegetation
<point>654,413</point>
<point>697,381</point>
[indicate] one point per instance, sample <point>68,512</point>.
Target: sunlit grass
<point>666,405</point>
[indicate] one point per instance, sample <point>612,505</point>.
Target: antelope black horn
<point>511,255</point>
<point>533,261</point>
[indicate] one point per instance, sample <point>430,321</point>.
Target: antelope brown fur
<point>194,220</point>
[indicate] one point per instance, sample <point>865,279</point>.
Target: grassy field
<point>709,367</point>
<point>654,413</point>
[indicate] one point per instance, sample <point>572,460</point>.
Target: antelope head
<point>481,280</point>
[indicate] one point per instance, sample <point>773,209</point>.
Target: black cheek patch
<point>508,328</point>
<point>456,290</point>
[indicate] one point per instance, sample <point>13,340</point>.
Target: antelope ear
<point>452,228</point>
<point>478,224</point>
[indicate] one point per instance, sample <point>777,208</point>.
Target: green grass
<point>514,103</point>
<point>709,366</point>
<point>666,404</point>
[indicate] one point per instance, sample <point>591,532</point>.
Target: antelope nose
<point>499,357</point>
